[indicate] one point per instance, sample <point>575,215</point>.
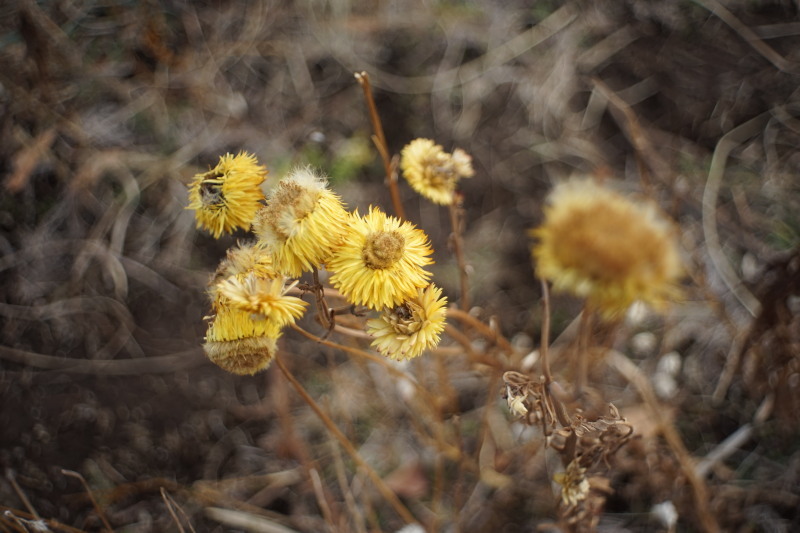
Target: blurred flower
<point>228,196</point>
<point>264,297</point>
<point>574,485</point>
<point>301,223</point>
<point>239,344</point>
<point>380,261</point>
<point>599,245</point>
<point>432,172</point>
<point>411,328</point>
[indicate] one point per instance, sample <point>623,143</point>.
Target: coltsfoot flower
<point>405,331</point>
<point>241,261</point>
<point>239,344</point>
<point>432,172</point>
<point>228,196</point>
<point>597,244</point>
<point>380,261</point>
<point>265,298</point>
<point>301,224</point>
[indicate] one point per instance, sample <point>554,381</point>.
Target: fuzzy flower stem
<point>481,328</point>
<point>380,143</point>
<point>457,239</point>
<point>384,489</point>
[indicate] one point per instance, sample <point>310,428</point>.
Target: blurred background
<point>107,109</point>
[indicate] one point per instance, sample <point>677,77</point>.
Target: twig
<point>481,328</point>
<point>545,341</point>
<point>171,505</point>
<point>322,501</point>
<point>380,143</point>
<point>96,506</point>
<point>21,494</point>
<point>584,334</point>
<point>384,489</point>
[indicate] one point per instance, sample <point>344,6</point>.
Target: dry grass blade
<point>99,510</point>
<point>726,144</point>
<point>246,521</point>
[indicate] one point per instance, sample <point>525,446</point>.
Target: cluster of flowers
<point>376,261</point>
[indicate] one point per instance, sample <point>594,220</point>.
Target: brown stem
<point>457,225</point>
<point>380,143</point>
<point>384,489</point>
<point>481,328</point>
<point>545,342</point>
<point>584,334</point>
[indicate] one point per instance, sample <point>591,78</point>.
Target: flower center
<point>383,249</point>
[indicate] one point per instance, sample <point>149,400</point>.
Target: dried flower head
<point>380,261</point>
<point>574,484</point>
<point>228,196</point>
<point>301,223</point>
<point>599,245</point>
<point>240,261</point>
<point>239,344</point>
<point>405,331</point>
<point>266,298</point>
<point>432,172</point>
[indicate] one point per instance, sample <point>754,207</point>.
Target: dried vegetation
<point>111,416</point>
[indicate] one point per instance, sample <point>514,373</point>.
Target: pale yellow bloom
<point>239,344</point>
<point>380,261</point>
<point>301,224</point>
<point>228,196</point>
<point>241,261</point>
<point>266,298</point>
<point>597,244</point>
<point>432,172</point>
<point>405,331</point>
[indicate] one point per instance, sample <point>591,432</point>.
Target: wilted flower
<point>432,172</point>
<point>241,261</point>
<point>599,245</point>
<point>301,223</point>
<point>405,331</point>
<point>380,261</point>
<point>264,297</point>
<point>574,485</point>
<point>228,196</point>
<point>239,344</point>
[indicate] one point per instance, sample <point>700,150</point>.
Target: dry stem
<point>384,489</point>
<point>457,240</point>
<point>380,143</point>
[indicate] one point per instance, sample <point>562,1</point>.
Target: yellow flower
<point>411,328</point>
<point>599,245</point>
<point>380,261</point>
<point>432,172</point>
<point>264,297</point>
<point>241,261</point>
<point>239,344</point>
<point>228,196</point>
<point>301,223</point>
